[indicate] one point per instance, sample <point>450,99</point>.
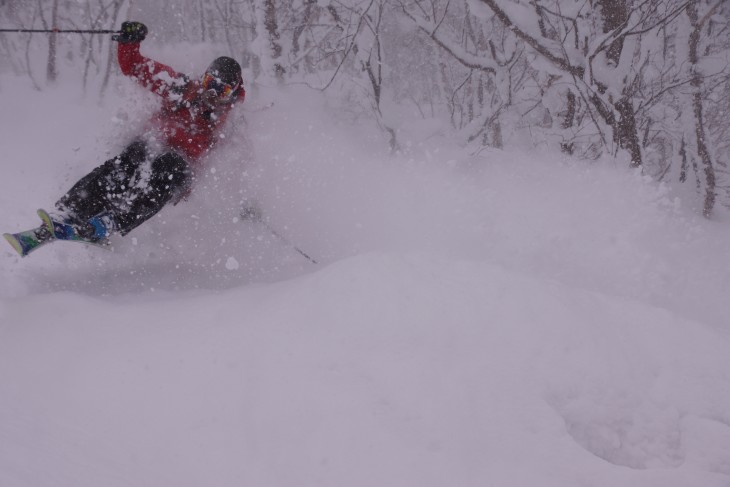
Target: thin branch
<point>561,63</point>
<point>350,47</point>
<point>431,31</point>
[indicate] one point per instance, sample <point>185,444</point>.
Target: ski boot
<point>95,231</point>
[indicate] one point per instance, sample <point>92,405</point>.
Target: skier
<point>158,167</point>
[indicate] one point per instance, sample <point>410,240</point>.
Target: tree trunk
<point>625,132</point>
<point>111,59</point>
<point>201,8</point>
<point>51,71</point>
<point>703,150</point>
<point>615,13</point>
<point>272,29</point>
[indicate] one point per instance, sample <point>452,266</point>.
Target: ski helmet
<point>224,76</point>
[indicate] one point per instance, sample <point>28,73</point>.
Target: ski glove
<point>131,32</point>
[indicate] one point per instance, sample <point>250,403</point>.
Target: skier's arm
<point>156,77</point>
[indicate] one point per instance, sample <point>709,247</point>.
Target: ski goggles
<point>223,90</point>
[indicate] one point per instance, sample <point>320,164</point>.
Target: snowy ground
<point>498,319</point>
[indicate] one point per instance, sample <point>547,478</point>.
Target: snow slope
<point>502,318</point>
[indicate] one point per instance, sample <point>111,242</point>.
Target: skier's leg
<point>96,192</point>
<point>170,176</point>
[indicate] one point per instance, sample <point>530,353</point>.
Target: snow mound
<point>380,369</point>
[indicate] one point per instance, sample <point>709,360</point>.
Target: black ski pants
<point>131,188</point>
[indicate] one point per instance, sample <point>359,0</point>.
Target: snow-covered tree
<point>644,80</point>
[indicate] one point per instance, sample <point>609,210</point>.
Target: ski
<point>26,242</point>
<point>29,240</point>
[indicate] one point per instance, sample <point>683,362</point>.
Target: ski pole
<point>287,242</point>
<point>253,213</point>
<point>61,31</point>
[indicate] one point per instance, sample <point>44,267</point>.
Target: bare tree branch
<point>558,61</point>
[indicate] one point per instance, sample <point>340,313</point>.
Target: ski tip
<point>46,218</point>
<point>43,214</point>
<point>15,244</point>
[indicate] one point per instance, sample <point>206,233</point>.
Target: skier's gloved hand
<point>131,32</point>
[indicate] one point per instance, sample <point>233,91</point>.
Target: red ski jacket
<point>185,123</point>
